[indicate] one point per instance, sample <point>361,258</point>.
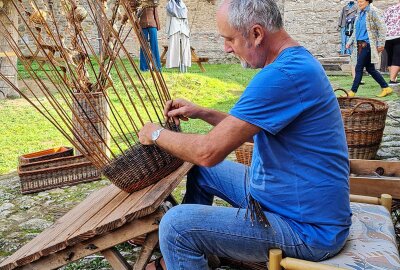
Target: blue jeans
<point>364,60</point>
<point>191,231</point>
<point>343,41</point>
<point>150,34</point>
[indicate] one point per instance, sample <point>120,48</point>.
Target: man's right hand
<point>181,109</point>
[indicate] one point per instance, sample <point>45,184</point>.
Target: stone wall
<point>7,64</point>
<point>312,22</point>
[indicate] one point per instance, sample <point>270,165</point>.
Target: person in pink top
<point>392,45</point>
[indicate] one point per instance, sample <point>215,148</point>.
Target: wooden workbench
<point>106,218</point>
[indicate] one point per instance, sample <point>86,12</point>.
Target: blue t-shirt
<point>300,163</point>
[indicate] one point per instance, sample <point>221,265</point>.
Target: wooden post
<point>275,258</point>
<point>386,201</point>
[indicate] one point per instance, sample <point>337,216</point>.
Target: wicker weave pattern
<point>44,175</point>
<point>244,153</point>
<point>364,122</point>
<point>151,165</point>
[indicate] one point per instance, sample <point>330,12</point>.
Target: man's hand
<point>347,46</point>
<point>380,49</point>
<point>180,109</point>
<point>145,133</point>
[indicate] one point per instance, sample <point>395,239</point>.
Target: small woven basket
<point>57,172</point>
<point>364,122</point>
<point>140,166</point>
<point>244,153</point>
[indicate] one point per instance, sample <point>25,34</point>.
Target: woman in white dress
<point>178,32</point>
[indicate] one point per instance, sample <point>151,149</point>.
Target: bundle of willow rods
<point>98,102</point>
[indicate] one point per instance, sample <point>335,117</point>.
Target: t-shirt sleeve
<point>271,101</point>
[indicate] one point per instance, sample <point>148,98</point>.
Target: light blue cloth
<point>361,26</point>
<point>300,161</point>
<point>150,34</point>
<point>344,39</point>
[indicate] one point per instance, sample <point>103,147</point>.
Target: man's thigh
<point>227,232</point>
<point>227,180</point>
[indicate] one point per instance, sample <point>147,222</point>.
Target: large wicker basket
<point>364,122</point>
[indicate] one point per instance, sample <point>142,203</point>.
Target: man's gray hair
<point>243,14</point>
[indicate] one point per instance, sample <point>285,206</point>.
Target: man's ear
<point>257,34</point>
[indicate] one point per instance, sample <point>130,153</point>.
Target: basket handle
<point>342,89</point>
<point>360,103</point>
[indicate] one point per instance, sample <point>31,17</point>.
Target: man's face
<point>234,41</point>
<point>362,4</point>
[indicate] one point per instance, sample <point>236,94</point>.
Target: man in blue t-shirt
<point>295,194</point>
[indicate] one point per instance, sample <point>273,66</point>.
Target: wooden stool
<point>106,218</point>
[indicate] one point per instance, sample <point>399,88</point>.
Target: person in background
<point>346,18</point>
<point>392,45</point>
<point>150,24</point>
<point>368,41</point>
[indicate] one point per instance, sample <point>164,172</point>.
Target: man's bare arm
<point>205,150</point>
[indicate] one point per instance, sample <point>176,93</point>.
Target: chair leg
<point>146,251</point>
<point>275,258</point>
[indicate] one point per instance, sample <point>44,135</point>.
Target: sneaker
<point>351,94</point>
<point>392,83</point>
<point>385,91</point>
<point>362,83</point>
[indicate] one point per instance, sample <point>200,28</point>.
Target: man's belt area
<point>361,44</point>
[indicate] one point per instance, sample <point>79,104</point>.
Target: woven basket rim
<point>381,103</point>
<point>81,164</point>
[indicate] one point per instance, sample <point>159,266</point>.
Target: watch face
<point>155,134</point>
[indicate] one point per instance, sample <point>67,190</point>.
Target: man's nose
<point>227,48</point>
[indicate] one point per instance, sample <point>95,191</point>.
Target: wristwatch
<point>156,134</point>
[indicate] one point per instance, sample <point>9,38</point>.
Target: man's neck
<point>283,41</point>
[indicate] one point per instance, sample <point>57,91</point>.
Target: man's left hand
<point>145,133</point>
<point>380,49</point>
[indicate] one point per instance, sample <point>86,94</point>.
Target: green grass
<point>24,130</point>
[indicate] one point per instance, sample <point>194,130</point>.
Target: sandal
<point>157,263</point>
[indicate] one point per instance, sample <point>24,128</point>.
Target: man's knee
<point>173,222</point>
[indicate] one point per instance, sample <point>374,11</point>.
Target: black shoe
<point>392,83</point>
<point>362,83</point>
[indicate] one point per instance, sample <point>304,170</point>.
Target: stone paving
<point>22,217</point>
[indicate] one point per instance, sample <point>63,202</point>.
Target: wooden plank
<point>369,167</point>
<point>30,251</point>
<point>369,186</point>
<point>9,54</point>
<point>116,260</point>
<point>128,231</point>
<point>57,240</point>
<point>153,198</point>
<point>146,251</point>
<point>113,217</point>
<point>88,229</point>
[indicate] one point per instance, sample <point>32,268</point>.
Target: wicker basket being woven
<point>364,122</point>
<point>141,166</point>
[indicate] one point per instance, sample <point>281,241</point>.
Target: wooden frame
<point>195,58</point>
<point>276,262</point>
<point>382,177</point>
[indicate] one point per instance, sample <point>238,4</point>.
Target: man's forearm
<point>212,117</point>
